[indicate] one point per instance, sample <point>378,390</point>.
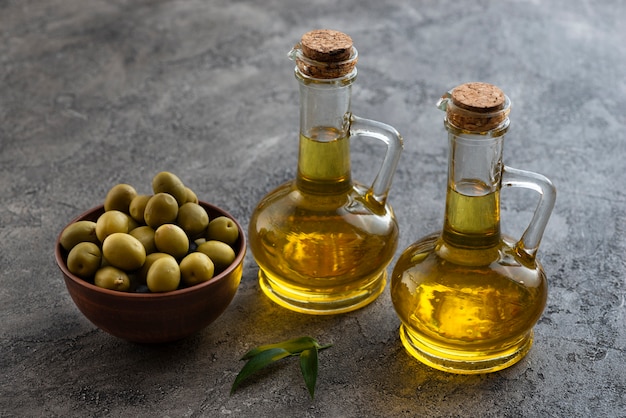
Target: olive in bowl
<point>154,317</point>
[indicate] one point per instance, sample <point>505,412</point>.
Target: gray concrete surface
<point>98,92</point>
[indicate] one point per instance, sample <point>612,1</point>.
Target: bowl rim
<point>60,261</point>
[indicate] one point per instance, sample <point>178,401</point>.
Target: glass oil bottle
<point>467,296</point>
<point>323,241</point>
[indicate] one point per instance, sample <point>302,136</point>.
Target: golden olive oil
<point>472,217</point>
<point>321,244</point>
<point>467,298</point>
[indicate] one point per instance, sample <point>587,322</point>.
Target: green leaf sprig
<point>306,348</point>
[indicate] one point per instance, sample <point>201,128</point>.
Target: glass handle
<point>392,138</point>
<point>512,177</point>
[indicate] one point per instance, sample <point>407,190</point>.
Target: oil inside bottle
<point>472,217</point>
<point>467,298</point>
<point>321,243</point>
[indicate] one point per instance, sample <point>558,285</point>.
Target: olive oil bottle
<point>467,296</point>
<point>323,241</point>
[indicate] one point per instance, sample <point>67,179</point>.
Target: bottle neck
<point>324,148</point>
<point>472,214</point>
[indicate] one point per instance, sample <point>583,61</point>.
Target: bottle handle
<point>392,138</point>
<point>513,177</point>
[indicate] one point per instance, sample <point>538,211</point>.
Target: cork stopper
<point>325,53</point>
<point>477,107</point>
<point>326,45</point>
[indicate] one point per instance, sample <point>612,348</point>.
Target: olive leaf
<point>306,348</point>
<point>258,362</point>
<point>308,366</point>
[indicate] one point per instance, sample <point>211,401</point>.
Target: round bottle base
<point>465,362</point>
<point>316,303</point>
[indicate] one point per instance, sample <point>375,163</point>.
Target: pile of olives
<point>150,243</point>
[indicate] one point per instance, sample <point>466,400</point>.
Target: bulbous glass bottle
<point>467,296</point>
<point>322,241</point>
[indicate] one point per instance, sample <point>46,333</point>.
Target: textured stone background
<point>93,93</point>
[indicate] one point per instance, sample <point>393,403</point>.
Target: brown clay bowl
<point>155,317</point>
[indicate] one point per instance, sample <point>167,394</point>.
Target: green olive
<point>142,273</point>
<point>196,268</point>
<point>137,207</point>
<point>80,231</point>
<point>124,251</point>
<point>145,235</point>
<point>193,218</point>
<point>132,223</point>
<point>112,278</point>
<point>161,209</point>
<point>191,195</point>
<point>219,252</point>
<point>223,229</point>
<point>163,275</point>
<point>171,239</point>
<point>166,182</point>
<point>84,259</point>
<point>119,197</point>
<point>111,222</point>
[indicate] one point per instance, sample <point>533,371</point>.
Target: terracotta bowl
<point>155,317</point>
